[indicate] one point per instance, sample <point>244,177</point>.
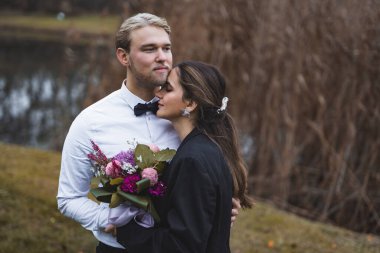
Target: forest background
<point>304,84</point>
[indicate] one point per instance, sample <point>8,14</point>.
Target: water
<point>42,89</point>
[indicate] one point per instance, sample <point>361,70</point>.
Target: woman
<point>206,172</point>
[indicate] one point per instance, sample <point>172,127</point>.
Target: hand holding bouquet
<point>132,176</point>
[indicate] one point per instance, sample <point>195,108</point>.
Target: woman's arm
<point>192,203</point>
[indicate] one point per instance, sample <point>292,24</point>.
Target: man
<point>143,46</point>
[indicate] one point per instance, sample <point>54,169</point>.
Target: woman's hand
<point>111,228</point>
<point>235,210</point>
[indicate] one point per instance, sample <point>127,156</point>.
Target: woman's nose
<point>158,92</point>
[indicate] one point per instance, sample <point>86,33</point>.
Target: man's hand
<point>110,229</point>
<point>235,210</point>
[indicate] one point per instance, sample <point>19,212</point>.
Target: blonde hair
<point>123,36</point>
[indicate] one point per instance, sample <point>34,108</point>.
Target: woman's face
<point>171,101</point>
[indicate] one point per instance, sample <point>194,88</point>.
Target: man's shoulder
<point>107,103</point>
<point>108,99</point>
<point>93,112</point>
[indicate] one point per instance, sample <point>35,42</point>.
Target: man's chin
<point>162,76</point>
<point>153,83</point>
<point>159,81</point>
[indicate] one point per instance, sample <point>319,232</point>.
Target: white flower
<point>127,167</point>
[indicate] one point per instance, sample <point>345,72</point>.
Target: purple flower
<point>126,157</point>
<point>92,157</point>
<point>129,183</point>
<point>99,157</point>
<point>157,190</point>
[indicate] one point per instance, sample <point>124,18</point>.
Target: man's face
<point>150,56</point>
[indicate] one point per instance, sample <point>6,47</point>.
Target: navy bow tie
<point>140,109</point>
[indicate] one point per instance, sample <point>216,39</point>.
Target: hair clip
<point>224,105</point>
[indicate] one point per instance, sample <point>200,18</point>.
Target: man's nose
<point>161,55</point>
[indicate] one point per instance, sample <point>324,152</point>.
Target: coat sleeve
<point>192,203</point>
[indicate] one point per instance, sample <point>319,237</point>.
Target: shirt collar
<point>131,99</point>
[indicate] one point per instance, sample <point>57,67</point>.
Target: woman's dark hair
<point>204,84</point>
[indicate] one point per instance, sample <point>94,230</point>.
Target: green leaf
<point>116,200</point>
<point>139,201</point>
<point>153,211</point>
<point>106,184</point>
<point>144,157</point>
<point>116,181</point>
<point>142,185</point>
<point>95,181</point>
<point>160,166</point>
<point>101,194</point>
<point>164,155</point>
<point>104,180</point>
<point>109,187</point>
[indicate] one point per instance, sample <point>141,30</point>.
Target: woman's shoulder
<point>200,143</point>
<point>200,149</point>
<point>200,156</point>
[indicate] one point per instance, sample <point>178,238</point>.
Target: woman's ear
<point>122,56</point>
<point>191,106</point>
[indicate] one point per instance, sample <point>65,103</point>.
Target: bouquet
<point>132,175</point>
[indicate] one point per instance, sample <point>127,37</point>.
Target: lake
<point>43,86</point>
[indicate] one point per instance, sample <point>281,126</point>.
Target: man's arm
<point>74,180</point>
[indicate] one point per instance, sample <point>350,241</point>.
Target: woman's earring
<point>185,113</point>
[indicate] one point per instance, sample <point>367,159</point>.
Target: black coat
<point>196,209</point>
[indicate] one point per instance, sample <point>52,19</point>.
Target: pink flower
<point>151,174</point>
<point>154,148</point>
<point>98,156</point>
<point>113,169</point>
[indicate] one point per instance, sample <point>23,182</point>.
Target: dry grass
<point>28,210</point>
<point>30,220</point>
<point>78,29</point>
<point>94,24</point>
<point>265,229</point>
<point>304,86</point>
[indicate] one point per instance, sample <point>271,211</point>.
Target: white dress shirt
<point>112,125</point>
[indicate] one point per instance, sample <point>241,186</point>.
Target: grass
<point>28,211</point>
<point>265,229</point>
<point>44,27</point>
<point>30,220</point>
<point>87,23</point>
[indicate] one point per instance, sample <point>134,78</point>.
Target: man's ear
<point>122,56</point>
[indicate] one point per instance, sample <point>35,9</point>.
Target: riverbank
<point>30,219</point>
<point>78,30</point>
